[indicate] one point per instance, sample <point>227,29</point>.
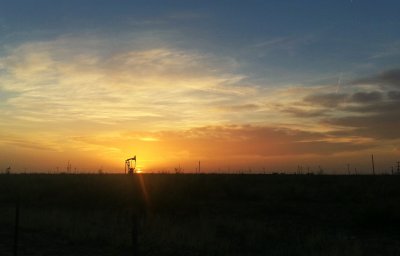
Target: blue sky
<point>303,37</point>
<point>319,72</point>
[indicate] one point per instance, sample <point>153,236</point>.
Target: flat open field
<point>185,214</point>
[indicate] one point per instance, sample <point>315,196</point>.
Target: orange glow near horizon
<point>172,107</point>
<point>219,148</point>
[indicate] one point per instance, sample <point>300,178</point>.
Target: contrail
<point>339,82</point>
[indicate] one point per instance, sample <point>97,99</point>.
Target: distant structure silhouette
<point>69,167</point>
<point>373,165</point>
<point>398,167</point>
<point>130,165</point>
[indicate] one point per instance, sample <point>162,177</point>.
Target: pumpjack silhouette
<point>130,165</point>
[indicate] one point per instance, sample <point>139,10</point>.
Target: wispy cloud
<point>388,50</point>
<point>91,94</point>
<point>326,99</point>
<point>285,43</point>
<point>66,79</point>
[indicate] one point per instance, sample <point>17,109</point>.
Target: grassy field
<point>201,214</point>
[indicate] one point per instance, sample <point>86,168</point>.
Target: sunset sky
<point>237,85</point>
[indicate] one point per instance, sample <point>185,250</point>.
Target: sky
<point>260,86</point>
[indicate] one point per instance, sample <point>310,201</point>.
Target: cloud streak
<point>65,79</point>
<point>181,104</point>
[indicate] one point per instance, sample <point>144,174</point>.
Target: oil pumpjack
<point>130,165</point>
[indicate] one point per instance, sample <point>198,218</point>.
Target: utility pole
<point>199,167</point>
<point>69,167</point>
<point>373,165</point>
<point>348,169</point>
